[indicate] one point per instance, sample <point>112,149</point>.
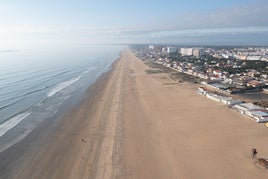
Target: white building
<point>258,115</point>
<point>233,102</point>
<point>151,47</point>
<point>223,99</point>
<point>214,97</point>
<point>254,57</point>
<point>186,51</point>
<point>244,107</point>
<point>225,55</point>
<point>197,53</point>
<point>171,49</point>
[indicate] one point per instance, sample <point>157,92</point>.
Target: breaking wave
<point>12,122</point>
<point>62,86</point>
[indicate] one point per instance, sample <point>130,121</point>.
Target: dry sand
<point>138,125</point>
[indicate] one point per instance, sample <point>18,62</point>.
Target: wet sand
<point>139,125</point>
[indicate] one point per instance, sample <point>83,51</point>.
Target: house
<point>254,83</point>
<point>203,75</point>
<point>258,115</point>
<point>244,107</point>
<point>219,98</point>
<point>217,72</point>
<point>202,91</point>
<point>216,78</point>
<point>214,97</point>
<point>253,73</point>
<point>230,101</point>
<point>234,102</point>
<point>234,90</point>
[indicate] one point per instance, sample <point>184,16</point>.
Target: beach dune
<point>132,124</point>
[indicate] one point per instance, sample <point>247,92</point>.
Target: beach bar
<point>219,98</point>
<point>256,113</point>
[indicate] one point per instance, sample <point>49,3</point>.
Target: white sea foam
<point>90,69</point>
<point>61,86</point>
<point>14,141</point>
<point>9,124</point>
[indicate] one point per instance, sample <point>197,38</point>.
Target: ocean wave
<point>62,86</point>
<point>9,104</point>
<point>36,77</point>
<point>16,74</point>
<point>11,86</point>
<point>37,90</point>
<point>59,74</point>
<point>90,69</point>
<point>14,141</point>
<point>18,98</point>
<point>12,122</point>
<point>46,78</point>
<point>22,95</point>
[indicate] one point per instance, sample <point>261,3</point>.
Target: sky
<point>189,22</point>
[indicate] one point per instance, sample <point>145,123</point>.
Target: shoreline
<point>16,155</point>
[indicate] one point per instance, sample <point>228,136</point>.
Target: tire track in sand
<point>103,165</point>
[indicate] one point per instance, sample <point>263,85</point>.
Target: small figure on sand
<point>254,153</point>
<point>83,140</point>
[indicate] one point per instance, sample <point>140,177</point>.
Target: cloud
<point>235,23</point>
<point>210,31</point>
<point>246,23</point>
<point>254,14</point>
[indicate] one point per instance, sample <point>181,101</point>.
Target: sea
<point>35,82</point>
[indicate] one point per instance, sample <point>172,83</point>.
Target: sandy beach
<point>133,124</point>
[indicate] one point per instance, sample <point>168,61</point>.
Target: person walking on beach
<point>254,153</point>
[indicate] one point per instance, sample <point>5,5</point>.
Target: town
<point>236,70</point>
<point>224,73</point>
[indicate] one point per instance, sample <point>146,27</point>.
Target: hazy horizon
<point>232,22</point>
